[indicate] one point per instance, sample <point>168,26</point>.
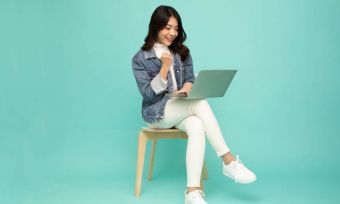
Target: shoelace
<point>199,196</point>
<point>238,164</point>
<point>238,160</point>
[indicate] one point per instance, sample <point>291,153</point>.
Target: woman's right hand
<point>166,59</point>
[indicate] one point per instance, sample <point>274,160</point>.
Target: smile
<point>169,39</point>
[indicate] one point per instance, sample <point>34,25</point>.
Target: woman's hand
<point>166,63</point>
<point>186,88</point>
<point>166,59</point>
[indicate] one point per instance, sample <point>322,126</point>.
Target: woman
<point>164,66</point>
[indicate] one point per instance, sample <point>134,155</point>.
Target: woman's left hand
<point>186,88</point>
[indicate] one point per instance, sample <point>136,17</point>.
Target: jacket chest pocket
<point>153,67</point>
<point>153,74</point>
<point>153,71</point>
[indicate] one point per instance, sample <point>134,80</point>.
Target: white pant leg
<point>175,114</point>
<point>175,111</point>
<point>202,109</point>
<point>178,113</point>
<point>193,126</point>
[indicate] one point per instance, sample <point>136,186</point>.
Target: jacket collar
<point>150,54</point>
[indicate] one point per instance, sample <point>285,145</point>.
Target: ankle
<point>228,158</point>
<point>190,189</point>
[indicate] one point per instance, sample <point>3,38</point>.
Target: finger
<point>165,55</point>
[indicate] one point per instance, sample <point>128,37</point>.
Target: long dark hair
<point>159,20</point>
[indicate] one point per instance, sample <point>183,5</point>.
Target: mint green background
<point>70,109</point>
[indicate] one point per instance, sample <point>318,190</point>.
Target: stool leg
<point>142,140</point>
<point>202,181</point>
<point>152,158</point>
<point>204,175</point>
<point>205,171</point>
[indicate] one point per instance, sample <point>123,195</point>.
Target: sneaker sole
<point>241,181</point>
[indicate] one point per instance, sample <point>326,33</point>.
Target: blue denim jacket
<point>146,67</point>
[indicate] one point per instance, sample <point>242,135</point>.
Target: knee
<point>202,104</point>
<point>194,125</point>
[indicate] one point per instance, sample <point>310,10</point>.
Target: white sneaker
<point>238,172</point>
<point>195,197</point>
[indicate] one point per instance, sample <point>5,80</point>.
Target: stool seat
<point>149,129</point>
<point>148,133</point>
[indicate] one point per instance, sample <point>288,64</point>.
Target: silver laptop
<point>209,84</point>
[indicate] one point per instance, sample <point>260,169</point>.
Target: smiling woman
<point>165,27</point>
<point>164,66</point>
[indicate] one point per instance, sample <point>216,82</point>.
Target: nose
<point>172,32</point>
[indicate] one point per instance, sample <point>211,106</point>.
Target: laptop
<point>209,84</point>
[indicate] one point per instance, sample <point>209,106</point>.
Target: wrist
<point>164,72</point>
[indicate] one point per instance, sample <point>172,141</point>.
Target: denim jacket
<point>146,67</point>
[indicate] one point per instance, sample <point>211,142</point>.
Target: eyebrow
<point>172,26</point>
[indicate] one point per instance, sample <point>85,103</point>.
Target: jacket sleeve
<point>188,70</point>
<point>158,84</point>
<point>149,88</point>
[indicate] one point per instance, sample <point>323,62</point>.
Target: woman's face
<point>169,33</point>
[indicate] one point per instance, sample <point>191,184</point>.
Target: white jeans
<point>196,118</point>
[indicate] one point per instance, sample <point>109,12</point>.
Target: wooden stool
<point>154,134</point>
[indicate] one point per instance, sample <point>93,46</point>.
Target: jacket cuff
<point>158,84</point>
